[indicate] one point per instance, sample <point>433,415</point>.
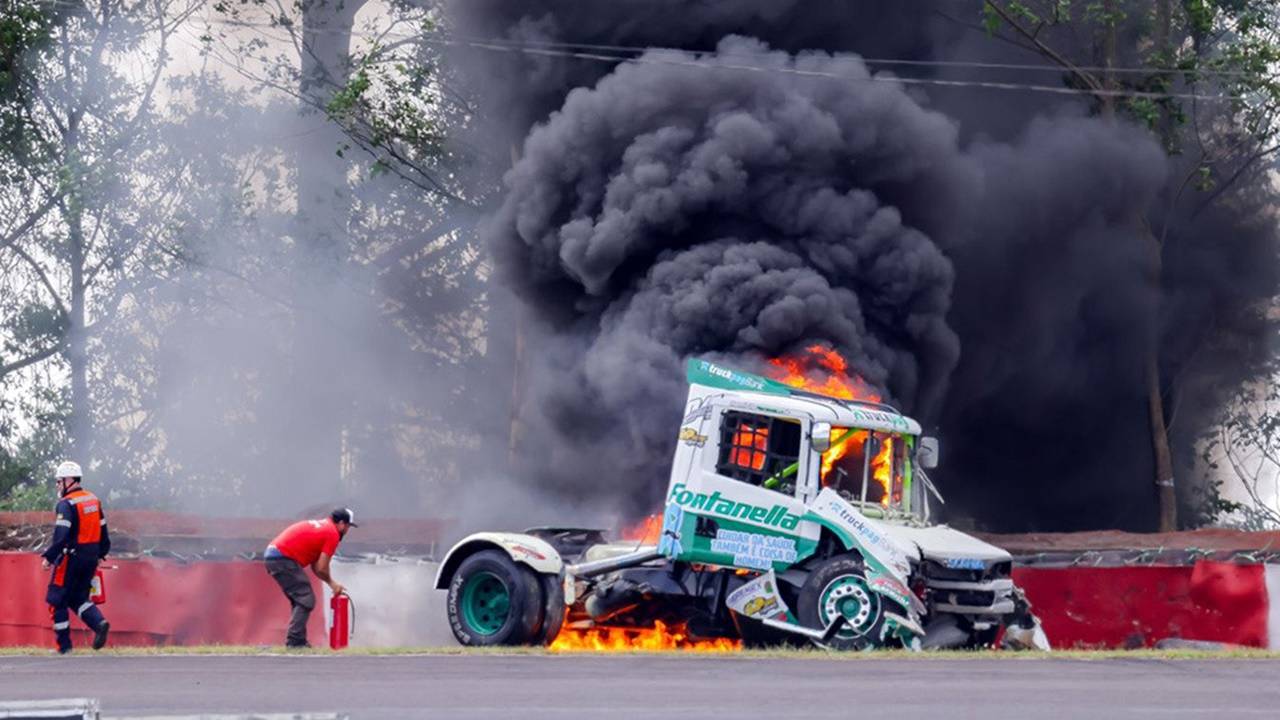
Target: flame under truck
<point>758,542</point>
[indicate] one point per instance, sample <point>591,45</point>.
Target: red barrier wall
<point>1138,606</point>
<point>158,602</point>
<point>161,602</point>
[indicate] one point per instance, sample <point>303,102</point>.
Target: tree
<point>381,171</point>
<point>80,201</point>
<point>1247,443</point>
<point>1151,62</point>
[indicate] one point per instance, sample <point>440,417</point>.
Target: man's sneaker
<point>297,646</point>
<point>100,635</point>
<point>64,650</point>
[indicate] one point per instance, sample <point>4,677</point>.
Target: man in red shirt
<point>310,543</point>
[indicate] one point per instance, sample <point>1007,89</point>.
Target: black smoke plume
<point>973,258</point>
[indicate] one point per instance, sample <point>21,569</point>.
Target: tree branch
<point>44,279</point>
<point>30,360</point>
<point>1084,77</point>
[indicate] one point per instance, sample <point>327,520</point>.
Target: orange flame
<point>824,371</point>
<point>749,445</point>
<point>655,639</point>
<point>645,532</point>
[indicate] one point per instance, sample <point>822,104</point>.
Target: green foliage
<point>389,105</point>
<point>27,496</point>
<point>1227,47</point>
<point>1097,14</point>
<point>1022,12</point>
<point>991,20</point>
<point>1207,504</point>
<point>25,28</point>
<point>26,463</point>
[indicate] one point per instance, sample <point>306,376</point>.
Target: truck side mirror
<point>927,453</point>
<point>820,437</point>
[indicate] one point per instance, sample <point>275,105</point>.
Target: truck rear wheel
<point>838,587</point>
<point>553,610</point>
<point>494,601</point>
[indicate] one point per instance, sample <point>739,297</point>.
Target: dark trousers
<point>293,581</point>
<point>69,590</point>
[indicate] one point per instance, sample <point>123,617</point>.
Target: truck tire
<point>553,611</point>
<point>494,601</point>
<point>838,585</point>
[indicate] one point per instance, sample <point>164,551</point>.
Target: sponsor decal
<point>965,563</point>
<point>890,586</point>
<point>777,516</point>
<point>879,417</point>
<point>521,549</point>
<point>669,543</point>
<point>746,381</point>
<point>690,436</point>
<point>697,410</point>
<point>753,550</point>
<point>866,533</point>
<point>759,599</point>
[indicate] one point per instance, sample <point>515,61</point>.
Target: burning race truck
<point>790,517</point>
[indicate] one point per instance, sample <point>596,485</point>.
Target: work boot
<point>100,635</point>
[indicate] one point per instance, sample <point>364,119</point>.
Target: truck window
<point>883,469</point>
<point>754,448</point>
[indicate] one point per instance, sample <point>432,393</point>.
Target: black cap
<point>344,515</point>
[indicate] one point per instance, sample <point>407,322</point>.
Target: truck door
<point>738,505</point>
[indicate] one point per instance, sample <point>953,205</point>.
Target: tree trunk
<point>316,447</point>
<point>1108,102</point>
<point>77,340</point>
<point>1166,496</point>
<point>323,201</point>
<point>80,421</point>
<point>1166,493</point>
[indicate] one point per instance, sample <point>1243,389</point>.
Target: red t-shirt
<point>302,542</point>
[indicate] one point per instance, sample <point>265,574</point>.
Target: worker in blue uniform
<point>80,541</point>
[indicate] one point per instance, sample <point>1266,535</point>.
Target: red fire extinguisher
<point>342,621</point>
<point>98,587</point>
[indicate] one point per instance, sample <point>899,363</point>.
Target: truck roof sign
<point>705,372</point>
<point>852,413</point>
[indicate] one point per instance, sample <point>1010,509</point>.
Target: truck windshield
<point>867,468</point>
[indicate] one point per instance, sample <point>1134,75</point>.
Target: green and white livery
<point>759,542</point>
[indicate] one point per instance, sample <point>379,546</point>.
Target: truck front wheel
<point>494,601</point>
<point>838,587</point>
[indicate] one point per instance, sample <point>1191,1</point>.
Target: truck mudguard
<point>888,561</point>
<point>527,549</point>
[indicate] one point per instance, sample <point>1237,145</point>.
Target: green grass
<point>782,653</point>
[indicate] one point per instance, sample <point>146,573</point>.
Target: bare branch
<point>44,278</point>
<point>30,360</point>
<point>1087,78</point>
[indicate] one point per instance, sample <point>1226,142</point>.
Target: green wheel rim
<point>849,595</point>
<point>486,602</point>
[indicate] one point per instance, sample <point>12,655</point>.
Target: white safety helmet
<point>68,469</point>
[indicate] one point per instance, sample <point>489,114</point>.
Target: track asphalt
<point>636,686</point>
